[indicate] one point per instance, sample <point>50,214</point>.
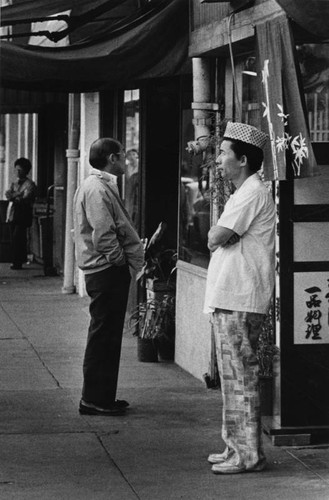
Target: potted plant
<point>153,319</point>
<point>267,352</point>
<point>140,321</point>
<point>153,323</point>
<point>160,264</point>
<point>165,328</point>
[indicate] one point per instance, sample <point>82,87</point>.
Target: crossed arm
<point>27,195</point>
<point>12,195</point>
<point>219,236</point>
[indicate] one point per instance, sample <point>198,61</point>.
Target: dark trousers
<point>18,243</point>
<point>108,291</point>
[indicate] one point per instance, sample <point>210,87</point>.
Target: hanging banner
<point>289,153</point>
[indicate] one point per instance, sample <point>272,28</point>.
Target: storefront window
<point>131,186</point>
<point>250,98</point>
<point>314,65</point>
<point>194,217</point>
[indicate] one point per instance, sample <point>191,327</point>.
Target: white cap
<point>245,133</point>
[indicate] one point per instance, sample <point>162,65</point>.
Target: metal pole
<point>201,94</point>
<point>73,155</point>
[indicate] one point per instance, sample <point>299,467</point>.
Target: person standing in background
<point>21,196</point>
<point>132,186</point>
<point>239,289</point>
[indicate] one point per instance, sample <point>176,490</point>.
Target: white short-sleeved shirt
<point>241,276</point>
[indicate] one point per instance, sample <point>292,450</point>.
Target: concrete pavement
<point>157,451</point>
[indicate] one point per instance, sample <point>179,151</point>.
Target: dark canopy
<point>29,9</point>
<point>114,51</point>
<point>311,15</point>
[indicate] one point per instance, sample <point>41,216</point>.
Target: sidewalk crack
<point>307,467</point>
<point>31,345</point>
<point>117,467</point>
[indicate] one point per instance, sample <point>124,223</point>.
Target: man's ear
<point>111,158</point>
<point>244,161</point>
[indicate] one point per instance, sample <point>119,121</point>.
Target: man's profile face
<point>120,162</point>
<point>132,158</point>
<point>228,163</point>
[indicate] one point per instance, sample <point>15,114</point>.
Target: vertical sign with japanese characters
<point>311,308</point>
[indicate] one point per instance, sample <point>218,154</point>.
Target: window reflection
<point>194,220</point>
<point>250,98</point>
<point>314,65</point>
<point>131,187</point>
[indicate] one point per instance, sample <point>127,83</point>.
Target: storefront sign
<point>311,308</point>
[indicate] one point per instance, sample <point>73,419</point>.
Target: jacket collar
<point>112,179</point>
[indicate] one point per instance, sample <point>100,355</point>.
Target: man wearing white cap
<point>239,288</point>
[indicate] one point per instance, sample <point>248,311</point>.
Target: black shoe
<point>16,266</point>
<point>121,403</point>
<point>91,409</point>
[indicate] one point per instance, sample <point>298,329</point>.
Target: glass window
<point>131,183</point>
<point>250,98</point>
<point>194,216</point>
<point>196,195</point>
<point>19,137</point>
<point>314,65</point>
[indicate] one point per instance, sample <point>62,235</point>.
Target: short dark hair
<point>255,155</point>
<point>133,150</point>
<point>101,149</point>
<point>24,163</point>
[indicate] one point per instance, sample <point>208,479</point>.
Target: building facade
<point>261,62</point>
<point>255,62</point>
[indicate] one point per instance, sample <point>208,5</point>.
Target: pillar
<point>73,155</point>
<point>201,96</point>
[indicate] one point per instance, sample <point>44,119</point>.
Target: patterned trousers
<point>236,335</point>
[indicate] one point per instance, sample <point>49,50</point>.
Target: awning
<point>152,42</point>
<point>29,9</point>
<point>311,15</point>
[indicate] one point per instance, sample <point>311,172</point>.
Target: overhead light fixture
<point>250,73</point>
<point>249,66</point>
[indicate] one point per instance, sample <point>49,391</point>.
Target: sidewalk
<point>157,451</point>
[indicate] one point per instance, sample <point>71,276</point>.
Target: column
<point>73,155</point>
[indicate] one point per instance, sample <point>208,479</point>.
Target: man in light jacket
<point>106,245</point>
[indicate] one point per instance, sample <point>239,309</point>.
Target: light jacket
<point>21,196</point>
<point>103,232</point>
